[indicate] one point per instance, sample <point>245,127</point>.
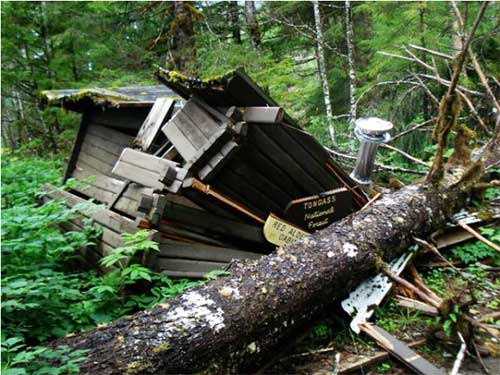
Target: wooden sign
<point>281,233</point>
<point>319,211</point>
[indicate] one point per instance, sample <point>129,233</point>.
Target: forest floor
<point>476,291</point>
<point>45,295</point>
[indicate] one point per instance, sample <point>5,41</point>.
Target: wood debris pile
<point>216,169</point>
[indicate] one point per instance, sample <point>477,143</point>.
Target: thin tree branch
<point>377,165</point>
<point>415,58</point>
<point>406,155</point>
<point>474,111</point>
<point>422,124</point>
<point>484,80</point>
<point>431,52</point>
<point>447,83</point>
<point>463,54</point>
<point>460,356</point>
<point>425,297</point>
<point>479,236</point>
<point>427,90</point>
<point>396,56</point>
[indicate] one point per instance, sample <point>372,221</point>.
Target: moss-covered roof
<point>235,88</point>
<point>81,99</point>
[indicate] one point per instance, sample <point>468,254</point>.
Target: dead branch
<point>479,236</point>
<point>437,252</point>
<point>475,63</point>
<point>405,154</point>
<point>396,56</point>
<point>415,58</point>
<point>484,80</point>
<point>460,356</point>
<point>461,22</point>
<point>463,54</point>
<point>420,283</point>
<point>491,316</point>
<point>371,201</point>
<point>447,83</point>
<point>431,52</point>
<point>474,111</point>
<point>487,185</point>
<point>479,357</point>
<point>424,296</point>
<point>426,88</point>
<point>413,128</point>
<point>377,165</point>
<point>385,83</point>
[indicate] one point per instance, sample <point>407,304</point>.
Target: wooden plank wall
<point>100,149</point>
<point>275,165</point>
<point>178,259</point>
<point>111,224</point>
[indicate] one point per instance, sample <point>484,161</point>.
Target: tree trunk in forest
<point>425,97</point>
<point>236,323</point>
<point>457,34</point>
<point>46,43</point>
<point>7,126</point>
<point>350,61</point>
<point>322,70</point>
<point>234,17</point>
<point>252,24</point>
<point>183,50</point>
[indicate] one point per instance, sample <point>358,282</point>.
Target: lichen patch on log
<point>350,250</point>
<point>196,309</point>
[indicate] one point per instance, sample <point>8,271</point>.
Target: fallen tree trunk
<point>234,324</point>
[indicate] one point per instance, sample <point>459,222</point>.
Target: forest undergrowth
<point>47,289</point>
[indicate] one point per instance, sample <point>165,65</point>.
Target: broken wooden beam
<point>206,189</point>
<point>149,170</point>
<point>151,126</point>
<point>416,305</point>
<point>400,350</point>
<point>264,115</point>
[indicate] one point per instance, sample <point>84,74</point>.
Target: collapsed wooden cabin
<point>216,169</point>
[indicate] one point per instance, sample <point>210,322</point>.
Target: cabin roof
<point>234,88</point>
<point>81,99</point>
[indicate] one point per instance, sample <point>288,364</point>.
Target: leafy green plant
<point>17,360</point>
<point>448,322</point>
<point>321,331</point>
<point>46,290</point>
<point>134,243</point>
<point>475,251</point>
<point>384,367</point>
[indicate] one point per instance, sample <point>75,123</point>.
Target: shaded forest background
<point>56,45</point>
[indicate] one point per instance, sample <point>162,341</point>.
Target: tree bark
<point>322,70</point>
<point>350,60</point>
<point>457,35</point>
<point>253,25</point>
<point>425,98</point>
<point>183,51</point>
<point>234,17</point>
<point>234,324</point>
